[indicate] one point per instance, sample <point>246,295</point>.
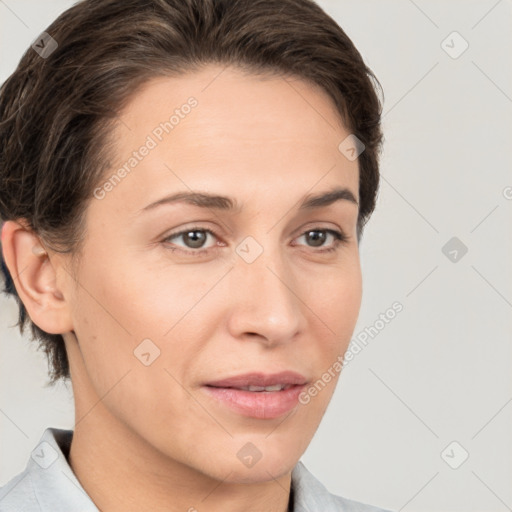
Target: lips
<point>258,395</point>
<point>257,381</point>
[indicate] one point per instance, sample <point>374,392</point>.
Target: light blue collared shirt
<point>48,484</point>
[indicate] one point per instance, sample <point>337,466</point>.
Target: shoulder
<point>310,495</point>
<point>18,494</point>
<point>47,484</point>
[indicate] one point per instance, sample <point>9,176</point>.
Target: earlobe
<point>34,276</point>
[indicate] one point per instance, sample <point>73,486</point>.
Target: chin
<point>261,472</point>
<point>236,470</point>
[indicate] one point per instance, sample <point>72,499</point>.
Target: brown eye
<point>318,237</point>
<point>192,238</point>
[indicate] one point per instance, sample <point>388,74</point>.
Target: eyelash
<point>340,239</point>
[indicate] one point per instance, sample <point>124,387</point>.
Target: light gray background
<point>440,370</point>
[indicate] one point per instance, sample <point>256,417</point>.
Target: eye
<point>318,237</point>
<point>195,238</point>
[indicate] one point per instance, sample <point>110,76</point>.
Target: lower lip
<point>263,405</point>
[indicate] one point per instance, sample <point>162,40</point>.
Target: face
<point>171,296</point>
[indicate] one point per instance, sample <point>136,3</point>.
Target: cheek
<point>336,298</point>
<point>336,305</point>
<point>338,309</point>
<point>124,319</point>
<point>111,317</point>
<point>128,362</point>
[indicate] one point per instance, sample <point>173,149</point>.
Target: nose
<point>264,301</point>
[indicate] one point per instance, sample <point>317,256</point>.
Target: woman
<point>184,188</point>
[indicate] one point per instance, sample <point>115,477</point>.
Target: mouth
<point>257,389</point>
<point>258,381</point>
<point>258,395</point>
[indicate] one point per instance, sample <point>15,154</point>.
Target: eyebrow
<point>206,200</point>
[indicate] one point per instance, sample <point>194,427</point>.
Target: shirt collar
<point>54,483</point>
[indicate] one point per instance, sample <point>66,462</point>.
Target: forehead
<point>232,105</point>
<point>222,127</point>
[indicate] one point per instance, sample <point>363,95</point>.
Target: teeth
<point>275,387</point>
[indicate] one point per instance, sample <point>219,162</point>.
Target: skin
<point>148,437</point>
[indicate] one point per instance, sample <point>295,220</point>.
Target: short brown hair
<point>56,113</point>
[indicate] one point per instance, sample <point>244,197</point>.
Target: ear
<point>34,275</point>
